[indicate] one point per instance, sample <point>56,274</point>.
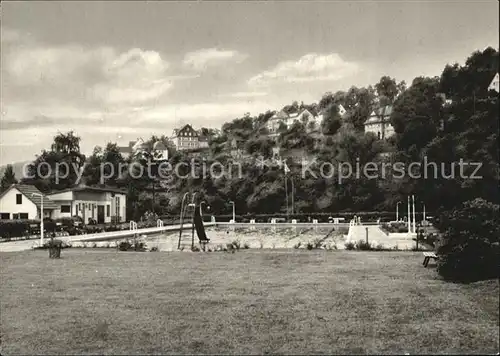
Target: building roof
<point>158,145</point>
<point>27,190</point>
<point>380,114</point>
<point>92,189</point>
<point>187,127</point>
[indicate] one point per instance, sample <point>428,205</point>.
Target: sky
<point>117,71</point>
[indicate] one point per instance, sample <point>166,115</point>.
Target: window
<point>19,198</point>
<point>108,210</point>
<point>117,205</point>
<point>4,216</point>
<point>65,208</point>
<point>23,216</point>
<point>15,216</point>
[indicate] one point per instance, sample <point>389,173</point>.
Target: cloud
<point>308,68</point>
<point>209,57</point>
<point>98,74</point>
<point>246,94</point>
<point>8,35</point>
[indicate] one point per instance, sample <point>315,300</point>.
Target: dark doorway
<point>100,214</point>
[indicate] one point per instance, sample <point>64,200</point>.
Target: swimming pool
<point>257,237</point>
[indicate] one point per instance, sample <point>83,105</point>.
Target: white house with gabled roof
<point>379,122</point>
<point>23,201</point>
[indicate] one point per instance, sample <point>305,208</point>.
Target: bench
<point>428,256</point>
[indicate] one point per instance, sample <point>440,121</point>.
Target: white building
<point>282,117</point>
<point>104,205</point>
<point>138,147</point>
<point>22,201</point>
<point>379,122</point>
<point>494,85</point>
<point>187,138</point>
<point>309,117</point>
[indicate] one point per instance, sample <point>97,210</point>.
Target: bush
<point>246,246</point>
<point>468,249</point>
<point>16,228</point>
<point>363,246</point>
<point>133,245</point>
<point>350,246</point>
<point>318,243</point>
<point>53,243</point>
<point>124,245</point>
<point>236,244</point>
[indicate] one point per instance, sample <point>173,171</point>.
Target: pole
<point>293,193</point>
<point>234,213</point>
<point>286,196</point>
<point>41,216</point>
<point>424,213</point>
<point>409,216</point>
<point>366,235</point>
<point>41,221</point>
<point>414,221</point>
<point>397,211</point>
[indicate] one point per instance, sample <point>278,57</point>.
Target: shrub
<point>363,245</point>
<point>246,246</point>
<point>230,248</point>
<point>195,249</point>
<point>318,243</point>
<point>350,245</point>
<point>468,249</point>
<point>236,244</point>
<point>139,245</point>
<point>53,243</point>
<point>379,247</point>
<point>310,246</point>
<point>297,245</point>
<point>124,245</point>
<point>134,245</point>
<point>154,249</point>
<point>16,228</point>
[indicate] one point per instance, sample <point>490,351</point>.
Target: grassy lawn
<point>249,302</point>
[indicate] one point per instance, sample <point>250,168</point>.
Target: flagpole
<point>414,221</point>
<point>286,196</point>
<point>409,216</point>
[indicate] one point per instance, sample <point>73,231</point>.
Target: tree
<point>59,167</point>
<point>8,178</point>
<point>331,121</point>
<point>469,247</point>
<point>417,115</point>
<point>388,89</point>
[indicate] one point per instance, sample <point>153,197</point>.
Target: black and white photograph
<point>249,177</point>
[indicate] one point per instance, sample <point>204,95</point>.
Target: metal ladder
<point>187,210</point>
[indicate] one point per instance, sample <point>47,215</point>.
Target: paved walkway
<point>377,236</point>
<point>22,245</point>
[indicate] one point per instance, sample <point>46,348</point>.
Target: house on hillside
<point>289,116</point>
<point>187,138</point>
<point>309,115</point>
<point>494,85</point>
<point>379,122</point>
<point>104,205</point>
<point>23,201</point>
<point>138,147</point>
